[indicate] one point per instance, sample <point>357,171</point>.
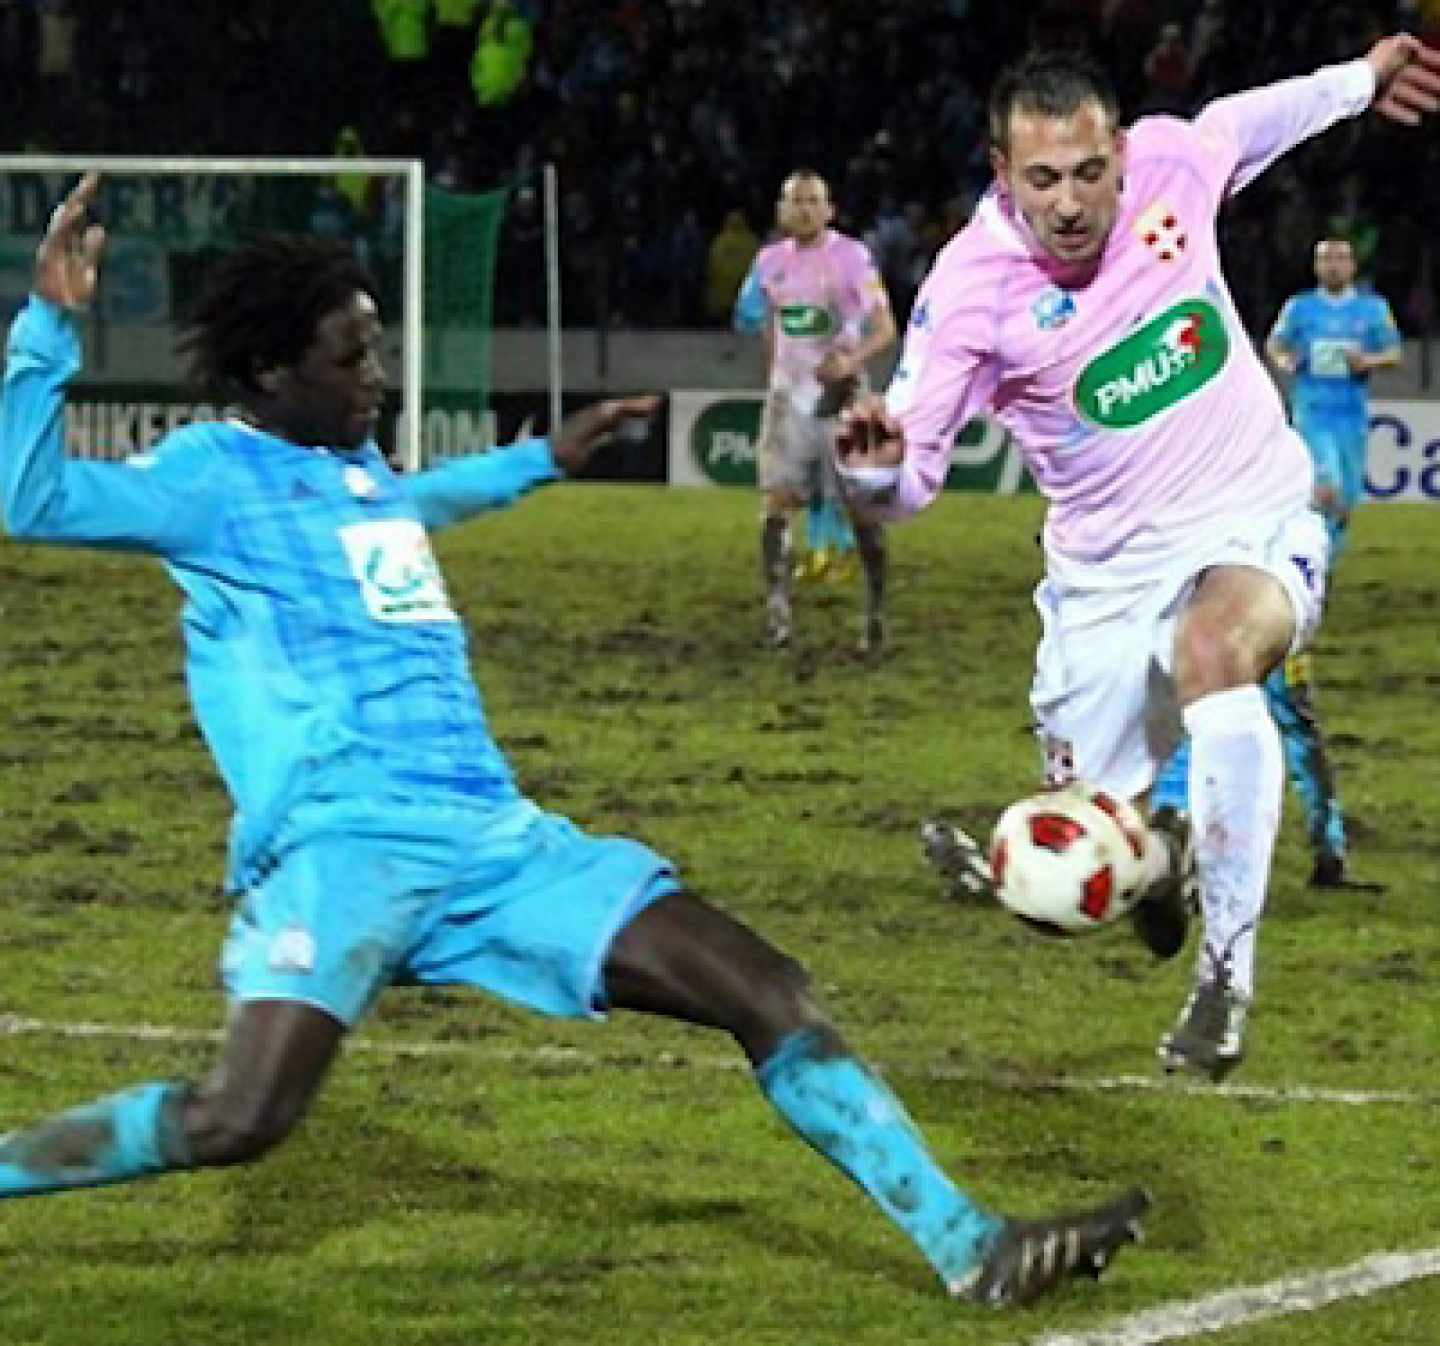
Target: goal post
<point>163,215</point>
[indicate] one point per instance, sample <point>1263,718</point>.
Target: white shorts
<point>1104,695</point>
<point>796,453</point>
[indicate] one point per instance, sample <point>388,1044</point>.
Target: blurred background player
<point>818,298</point>
<point>1328,340</point>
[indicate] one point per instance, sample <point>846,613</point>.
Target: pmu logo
<point>1171,357</point>
<point>724,441</point>
<point>806,321</point>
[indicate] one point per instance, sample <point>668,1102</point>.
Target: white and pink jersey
<point>1134,391</point>
<point>817,297</point>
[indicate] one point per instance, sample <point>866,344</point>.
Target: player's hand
<point>838,365</point>
<point>1287,362</point>
<point>868,435</point>
<point>67,262</point>
<point>1358,361</point>
<point>1407,78</point>
<point>1327,499</point>
<point>584,432</point>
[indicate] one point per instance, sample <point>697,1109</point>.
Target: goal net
<point>166,218</point>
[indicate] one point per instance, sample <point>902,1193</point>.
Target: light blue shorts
<point>1338,445</point>
<point>514,901</point>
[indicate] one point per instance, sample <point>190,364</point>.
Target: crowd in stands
<point>673,122</point>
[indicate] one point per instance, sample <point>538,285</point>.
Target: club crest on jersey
<point>360,483</point>
<point>1053,308</point>
<point>1158,228</point>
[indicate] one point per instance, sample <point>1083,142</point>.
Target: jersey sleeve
<point>1242,135</point>
<point>1384,333</point>
<point>1287,323</point>
<point>868,285</point>
<point>945,378</point>
<point>166,503</point>
<point>751,305</point>
<point>481,482</point>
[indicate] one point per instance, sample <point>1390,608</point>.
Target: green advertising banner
<point>713,439</point>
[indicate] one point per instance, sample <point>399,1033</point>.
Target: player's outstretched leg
<point>1290,692</point>
<point>958,858</point>
<point>684,959</point>
<point>275,1057</point>
<point>829,541</point>
<point>1236,781</point>
<point>133,1134</point>
<point>1032,1257</point>
<point>775,562</point>
<point>874,562</point>
<point>1161,919</point>
<point>1172,786</point>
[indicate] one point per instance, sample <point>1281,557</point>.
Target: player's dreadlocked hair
<point>1049,84</point>
<point>259,307</point>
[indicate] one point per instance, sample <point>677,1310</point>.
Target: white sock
<point>1237,777</point>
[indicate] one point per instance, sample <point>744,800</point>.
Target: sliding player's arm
<point>483,482</point>
<point>167,504</point>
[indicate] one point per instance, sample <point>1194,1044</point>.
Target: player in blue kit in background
<point>1329,340</point>
<point>379,835</point>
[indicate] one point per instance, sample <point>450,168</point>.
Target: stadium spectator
<point>1168,73</point>
<point>380,837</point>
<point>727,260</point>
<point>405,30</point>
<point>502,54</point>
<point>761,84</point>
<point>452,44</point>
<point>357,188</point>
<point>55,53</point>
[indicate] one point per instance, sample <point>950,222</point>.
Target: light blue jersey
<point>1329,403</point>
<point>1321,328</point>
<point>323,656</point>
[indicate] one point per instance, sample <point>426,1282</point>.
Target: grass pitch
<point>475,1174</point>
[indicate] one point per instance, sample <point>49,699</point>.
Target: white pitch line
<point>16,1025</point>
<point>1183,1321</point>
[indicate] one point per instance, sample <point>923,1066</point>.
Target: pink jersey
<point>817,297</point>
<point>1136,395</point>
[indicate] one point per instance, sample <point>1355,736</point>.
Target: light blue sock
<point>827,526</point>
<point>848,1114</point>
<point>1172,785</point>
<point>129,1135</point>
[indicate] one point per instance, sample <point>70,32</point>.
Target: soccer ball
<point>1072,860</point>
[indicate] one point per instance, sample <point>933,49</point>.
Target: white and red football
<point>1071,860</point>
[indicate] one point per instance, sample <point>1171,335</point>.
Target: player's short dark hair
<point>1049,84</point>
<point>259,306</point>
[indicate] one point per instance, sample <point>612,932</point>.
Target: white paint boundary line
<point>1179,1321</point>
<point>16,1025</point>
<point>1228,1309</point>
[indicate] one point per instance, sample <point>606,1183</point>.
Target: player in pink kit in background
<point>1084,308</point>
<point>819,299</point>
